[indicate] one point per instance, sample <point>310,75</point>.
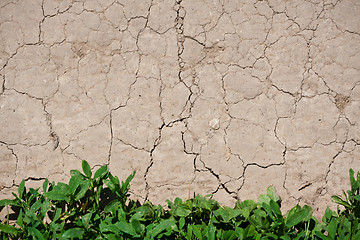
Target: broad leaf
<point>84,187</point>
<point>56,196</point>
<point>73,233</point>
<point>74,183</point>
<point>126,228</point>
<point>139,228</point>
<point>332,227</point>
<point>161,227</point>
<point>182,211</point>
<point>102,171</point>
<point>86,219</point>
<point>181,223</point>
<point>109,228</point>
<point>86,168</point>
<point>296,217</point>
<point>271,192</point>
<point>275,208</point>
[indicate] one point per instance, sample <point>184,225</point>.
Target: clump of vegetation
<point>97,207</point>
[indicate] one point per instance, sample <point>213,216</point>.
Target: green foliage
<point>96,206</point>
<point>351,200</point>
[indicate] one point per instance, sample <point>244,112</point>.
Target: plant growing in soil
<point>97,207</point>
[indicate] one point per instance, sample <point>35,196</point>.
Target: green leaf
<point>45,185</point>
<point>110,184</point>
<point>106,228</point>
<point>271,235</point>
<point>296,217</point>
<point>140,212</point>
<point>197,231</point>
<point>30,217</point>
<point>189,231</point>
<point>36,205</point>
<point>125,186</point>
<point>248,233</point>
<point>181,223</point>
<point>114,180</point>
<point>272,193</point>
<point>263,199</point>
<point>354,183</point>
<point>357,235</point>
<point>338,200</point>
<point>34,192</point>
<point>269,211</point>
<point>113,206</point>
<point>275,208</point>
<point>9,229</point>
<point>226,214</point>
<point>327,216</point>
<point>233,213</point>
<point>113,183</point>
<point>84,187</point>
<point>73,233</point>
<point>139,228</point>
<point>36,233</point>
<point>322,236</point>
<point>75,172</point>
<point>57,213</point>
<point>229,235</point>
<point>56,196</point>
<point>19,220</point>
<point>21,189</point>
<point>246,207</point>
<point>102,171</point>
<point>74,183</point>
<point>211,232</point>
<point>260,213</point>
<point>182,211</point>
<point>161,227</point>
<point>332,227</point>
<point>86,219</point>
<point>86,168</point>
<point>121,214</point>
<point>8,202</point>
<point>109,236</point>
<point>178,201</point>
<point>285,237</point>
<point>126,228</point>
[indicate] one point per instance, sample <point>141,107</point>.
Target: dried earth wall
<point>228,96</point>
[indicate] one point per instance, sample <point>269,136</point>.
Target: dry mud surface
<point>229,96</point>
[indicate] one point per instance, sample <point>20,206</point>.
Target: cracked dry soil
<point>227,95</point>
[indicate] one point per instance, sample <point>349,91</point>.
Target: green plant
<point>351,200</point>
<point>82,208</point>
<point>97,207</point>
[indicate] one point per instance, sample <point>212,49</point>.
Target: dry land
<point>228,96</point>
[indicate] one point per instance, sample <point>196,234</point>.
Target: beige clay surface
<point>228,96</point>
